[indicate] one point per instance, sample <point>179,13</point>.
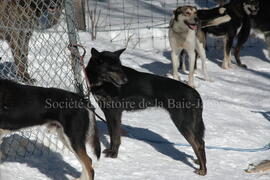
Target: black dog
<point>262,19</point>
<point>24,106</point>
<point>240,12</point>
<point>114,84</point>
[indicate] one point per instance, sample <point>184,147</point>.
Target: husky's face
<point>251,7</point>
<point>106,67</point>
<point>186,16</point>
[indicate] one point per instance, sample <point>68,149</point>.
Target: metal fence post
<point>72,35</point>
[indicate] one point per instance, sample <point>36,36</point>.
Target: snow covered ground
<point>236,115</point>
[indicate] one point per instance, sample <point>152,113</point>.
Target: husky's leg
<point>192,56</point>
<point>175,63</point>
<point>228,42</point>
<point>201,51</point>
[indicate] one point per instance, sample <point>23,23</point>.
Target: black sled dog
<point>23,106</point>
<point>239,26</point>
<point>113,83</point>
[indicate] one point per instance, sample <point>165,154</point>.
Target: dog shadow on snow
<point>165,148</point>
<point>265,114</point>
<point>254,47</point>
<point>160,68</point>
<point>42,158</point>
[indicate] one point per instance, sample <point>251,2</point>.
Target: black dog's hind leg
<point>242,38</point>
<point>113,118</point>
<point>73,135</point>
<point>193,133</point>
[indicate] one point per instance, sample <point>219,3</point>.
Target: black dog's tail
<point>93,134</point>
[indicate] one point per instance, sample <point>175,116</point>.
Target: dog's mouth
<point>253,11</point>
<point>192,26</point>
<point>116,82</point>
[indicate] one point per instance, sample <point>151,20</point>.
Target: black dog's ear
<point>95,52</point>
<point>96,55</point>
<point>119,52</point>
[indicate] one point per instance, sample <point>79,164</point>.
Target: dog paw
<point>110,153</point>
<point>225,66</point>
<point>201,172</point>
<point>232,66</point>
<point>242,66</point>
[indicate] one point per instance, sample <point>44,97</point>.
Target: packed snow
<point>236,116</point>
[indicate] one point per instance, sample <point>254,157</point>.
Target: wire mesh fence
<point>34,38</point>
<point>134,22</point>
<point>137,23</point>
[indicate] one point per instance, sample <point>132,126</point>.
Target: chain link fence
<point>138,23</point>
<point>134,23</point>
<point>33,48</point>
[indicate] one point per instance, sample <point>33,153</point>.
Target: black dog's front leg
<point>113,118</point>
<point>243,36</point>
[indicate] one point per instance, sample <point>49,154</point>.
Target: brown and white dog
<point>18,19</point>
<point>183,35</point>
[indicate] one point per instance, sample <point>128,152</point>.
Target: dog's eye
<point>188,13</point>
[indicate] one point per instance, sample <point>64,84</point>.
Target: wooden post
<point>80,14</point>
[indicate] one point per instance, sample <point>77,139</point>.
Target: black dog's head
<point>106,67</point>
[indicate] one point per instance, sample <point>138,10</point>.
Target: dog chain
<point>86,97</point>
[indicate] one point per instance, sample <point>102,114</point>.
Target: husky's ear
<point>119,52</point>
<point>95,52</point>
